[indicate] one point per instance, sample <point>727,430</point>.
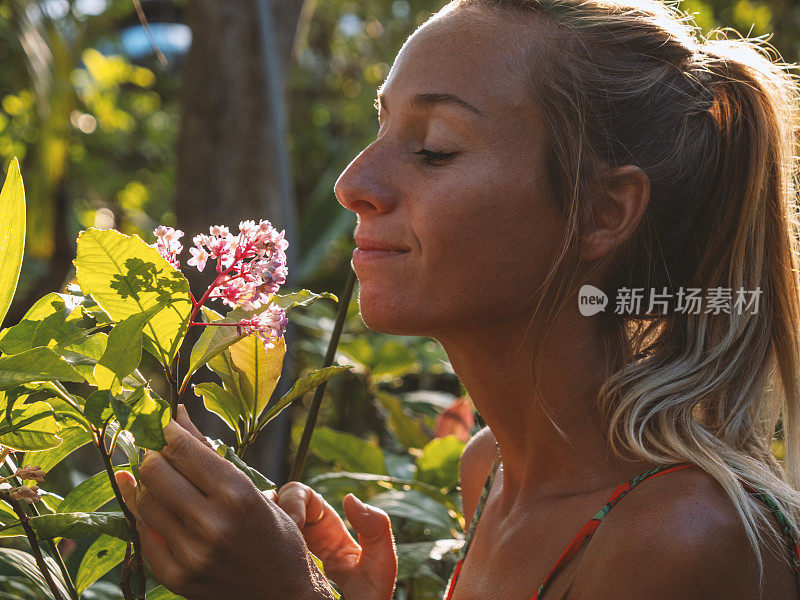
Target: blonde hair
<point>713,123</point>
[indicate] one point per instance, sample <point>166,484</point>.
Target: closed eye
<point>430,157</point>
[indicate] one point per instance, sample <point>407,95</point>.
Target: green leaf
<point>56,320</point>
<point>222,366</point>
<point>350,452</point>
<point>19,338</point>
<point>125,442</point>
<point>414,506</point>
<point>408,429</point>
<point>300,387</point>
<point>7,515</point>
<point>261,482</point>
<point>38,364</point>
<point>302,298</point>
<point>438,464</point>
<point>98,407</point>
<point>73,438</point>
<point>259,370</point>
<point>386,481</point>
<point>220,402</point>
<point>214,340</point>
<point>34,427</point>
<point>413,556</point>
<point>123,350</point>
<point>125,276</point>
<point>145,415</point>
<point>162,593</point>
<point>84,354</point>
<point>103,555</point>
<point>25,563</point>
<point>12,235</point>
<point>75,525</point>
<point>382,356</point>
<point>91,494</point>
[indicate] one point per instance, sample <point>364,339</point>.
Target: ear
<point>627,194</point>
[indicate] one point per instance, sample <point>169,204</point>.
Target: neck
<point>495,366</point>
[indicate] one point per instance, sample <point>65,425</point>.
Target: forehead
<point>479,57</point>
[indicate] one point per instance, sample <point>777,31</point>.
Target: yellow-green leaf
<point>220,402</point>
<point>37,364</point>
<point>259,370</point>
<point>123,350</point>
<point>125,276</point>
<point>12,235</point>
<point>103,555</point>
<point>145,415</point>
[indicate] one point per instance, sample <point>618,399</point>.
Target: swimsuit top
<point>587,530</point>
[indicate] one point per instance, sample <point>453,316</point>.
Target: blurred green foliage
<point>105,130</point>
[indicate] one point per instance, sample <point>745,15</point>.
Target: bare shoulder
<point>476,461</point>
<point>679,536</point>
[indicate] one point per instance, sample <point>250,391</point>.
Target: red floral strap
<point>587,530</point>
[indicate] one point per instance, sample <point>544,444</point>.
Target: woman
<point>528,148</point>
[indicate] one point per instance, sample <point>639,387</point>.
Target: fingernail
<point>360,505</point>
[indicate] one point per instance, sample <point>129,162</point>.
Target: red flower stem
<point>207,293</point>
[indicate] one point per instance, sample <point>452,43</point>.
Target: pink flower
<point>269,325</point>
<point>198,259</point>
<point>168,245</point>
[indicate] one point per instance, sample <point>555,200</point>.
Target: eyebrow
<point>428,101</point>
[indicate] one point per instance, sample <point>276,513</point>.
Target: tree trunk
<point>232,155</point>
<point>228,168</point>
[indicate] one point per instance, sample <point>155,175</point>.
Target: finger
<point>374,535</point>
<point>182,417</point>
<point>198,463</point>
<point>155,549</point>
<point>305,506</point>
<point>172,489</point>
<point>158,553</point>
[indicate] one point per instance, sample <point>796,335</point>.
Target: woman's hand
<point>208,533</point>
<point>364,570</point>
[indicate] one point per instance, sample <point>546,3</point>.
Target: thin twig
<point>149,32</point>
<point>37,552</point>
<point>126,573</point>
<point>316,403</point>
<point>55,553</point>
<point>136,561</point>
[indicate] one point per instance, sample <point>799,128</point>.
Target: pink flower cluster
<point>250,266</point>
<point>269,325</point>
<point>168,245</point>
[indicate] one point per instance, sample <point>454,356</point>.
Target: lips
<point>365,243</point>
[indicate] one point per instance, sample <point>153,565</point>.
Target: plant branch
<point>54,551</point>
<point>316,403</point>
<point>37,552</point>
<point>135,561</point>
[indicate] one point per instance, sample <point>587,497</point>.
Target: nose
<point>364,187</point>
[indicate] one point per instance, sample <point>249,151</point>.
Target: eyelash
<point>429,157</point>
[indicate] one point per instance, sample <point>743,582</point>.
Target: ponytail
<point>713,123</point>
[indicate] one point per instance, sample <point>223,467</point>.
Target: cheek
<point>493,245</point>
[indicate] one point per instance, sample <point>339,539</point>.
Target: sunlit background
<point>251,109</point>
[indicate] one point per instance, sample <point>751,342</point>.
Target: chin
<point>387,313</point>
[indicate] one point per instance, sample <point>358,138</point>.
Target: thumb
<point>127,487</point>
<point>374,535</point>
<point>130,490</point>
